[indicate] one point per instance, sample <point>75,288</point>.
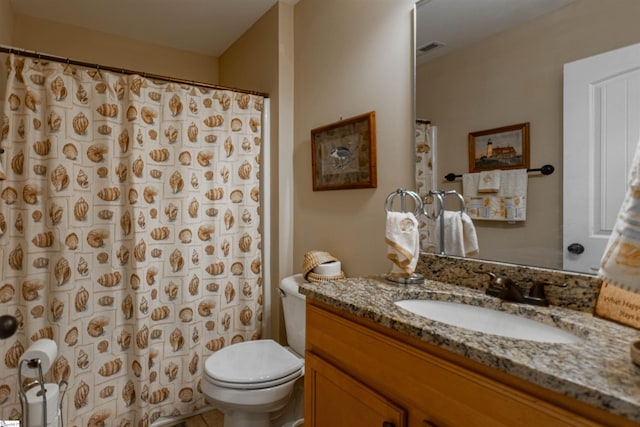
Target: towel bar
<point>544,170</point>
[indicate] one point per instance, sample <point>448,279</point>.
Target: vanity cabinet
<point>360,373</point>
<point>340,400</point>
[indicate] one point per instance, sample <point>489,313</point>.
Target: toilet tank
<point>293,305</point>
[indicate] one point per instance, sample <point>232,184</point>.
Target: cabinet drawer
<point>434,391</point>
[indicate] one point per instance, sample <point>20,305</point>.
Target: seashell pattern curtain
<point>130,235</point>
<point>425,145</point>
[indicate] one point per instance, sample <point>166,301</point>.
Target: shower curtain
<point>130,235</point>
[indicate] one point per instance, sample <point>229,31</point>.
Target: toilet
<point>252,381</point>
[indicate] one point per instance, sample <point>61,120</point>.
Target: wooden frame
<point>343,154</point>
<point>501,148</point>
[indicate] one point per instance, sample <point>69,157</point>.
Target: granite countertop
<point>597,370</point>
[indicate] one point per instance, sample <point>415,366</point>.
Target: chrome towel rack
<point>403,194</point>
<point>441,196</point>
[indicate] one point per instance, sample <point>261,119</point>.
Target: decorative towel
<point>460,237</point>
<point>508,204</point>
<point>403,240</point>
<point>620,264</point>
<point>489,181</point>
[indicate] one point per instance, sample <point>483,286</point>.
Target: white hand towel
<point>453,233</point>
<point>489,181</point>
<point>621,261</point>
<point>469,236</point>
<point>403,240</point>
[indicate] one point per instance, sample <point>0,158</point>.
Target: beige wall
<point>105,49</point>
<point>6,22</point>
<point>6,31</point>
<point>260,60</point>
<point>350,58</point>
<point>512,78</point>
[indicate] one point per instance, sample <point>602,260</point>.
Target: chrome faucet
<point>506,289</point>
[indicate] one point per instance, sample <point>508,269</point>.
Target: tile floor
<point>212,418</point>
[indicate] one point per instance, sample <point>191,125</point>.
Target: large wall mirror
<point>510,71</point>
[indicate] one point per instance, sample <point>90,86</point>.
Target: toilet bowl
<point>253,380</point>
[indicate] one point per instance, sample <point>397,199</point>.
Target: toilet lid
<point>252,362</point>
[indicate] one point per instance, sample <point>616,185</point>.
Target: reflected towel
<point>489,181</point>
<point>508,204</point>
<point>469,236</point>
<point>460,237</point>
<point>403,242</point>
<point>620,264</point>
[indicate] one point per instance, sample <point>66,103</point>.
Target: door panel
<point>601,130</point>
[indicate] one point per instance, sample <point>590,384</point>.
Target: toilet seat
<point>257,385</point>
<point>252,365</point>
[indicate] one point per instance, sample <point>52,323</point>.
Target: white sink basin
<point>488,321</point>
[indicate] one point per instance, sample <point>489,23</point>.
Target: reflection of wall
<point>351,57</point>
<point>516,77</point>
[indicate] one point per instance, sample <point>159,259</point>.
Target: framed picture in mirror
<point>500,148</point>
<point>343,154</point>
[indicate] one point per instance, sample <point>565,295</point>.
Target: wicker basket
<point>312,259</point>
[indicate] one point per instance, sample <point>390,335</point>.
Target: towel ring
<point>463,208</point>
<point>402,194</point>
<point>435,195</point>
<point>441,196</point>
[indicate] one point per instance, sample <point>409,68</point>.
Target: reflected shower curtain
<point>425,146</point>
<point>131,235</point>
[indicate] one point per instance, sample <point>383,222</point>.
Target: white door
<point>601,130</point>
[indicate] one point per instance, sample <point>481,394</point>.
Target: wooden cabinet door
<point>334,399</point>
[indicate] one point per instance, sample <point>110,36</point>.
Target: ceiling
<point>207,27</point>
<point>458,23</point>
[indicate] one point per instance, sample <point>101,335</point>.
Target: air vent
<point>429,47</point>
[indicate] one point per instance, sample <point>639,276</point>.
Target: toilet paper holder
<point>37,365</point>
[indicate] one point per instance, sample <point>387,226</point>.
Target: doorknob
<point>575,248</point>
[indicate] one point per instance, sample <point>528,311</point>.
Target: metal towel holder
<point>441,196</point>
<point>402,194</point>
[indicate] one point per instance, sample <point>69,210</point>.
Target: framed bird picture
<point>343,154</point>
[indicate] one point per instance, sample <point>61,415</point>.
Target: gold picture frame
<point>343,154</point>
<point>500,148</point>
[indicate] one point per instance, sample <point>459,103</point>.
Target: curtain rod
<point>38,55</point>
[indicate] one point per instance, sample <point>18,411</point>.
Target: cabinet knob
<point>388,424</point>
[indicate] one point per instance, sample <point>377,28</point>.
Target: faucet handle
<point>498,281</point>
<point>537,289</point>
